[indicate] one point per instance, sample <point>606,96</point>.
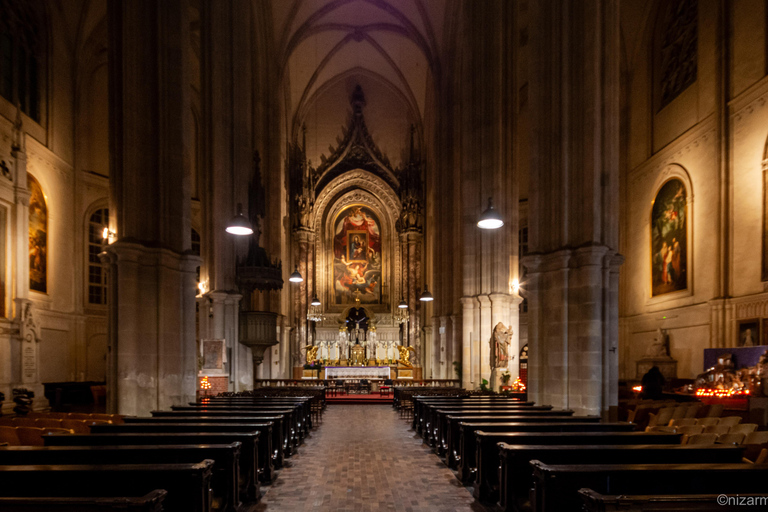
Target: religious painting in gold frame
<point>38,237</point>
<point>357,257</point>
<point>669,239</point>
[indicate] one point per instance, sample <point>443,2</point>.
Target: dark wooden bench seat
<point>422,408</point>
<point>475,449</point>
<point>435,424</point>
<point>515,474</point>
<point>281,441</point>
<point>452,429</point>
<point>298,425</point>
<point>249,441</point>
<point>293,437</point>
<point>436,431</point>
<point>475,452</point>
<point>555,487</point>
<point>188,485</point>
<point>595,502</point>
<point>226,457</point>
<point>150,502</point>
<point>302,412</point>
<point>265,459</point>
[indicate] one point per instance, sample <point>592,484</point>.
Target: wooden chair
<point>682,422</point>
<point>662,418</point>
<point>692,411</point>
<point>716,429</point>
<point>78,426</point>
<point>47,423</point>
<point>743,428</point>
<point>700,439</point>
<point>705,422</point>
<point>386,388</point>
<point>690,430</point>
<point>715,411</point>
<point>23,422</point>
<point>660,429</point>
<point>730,438</point>
<point>9,435</point>
<point>730,420</point>
<point>756,438</point>
<point>763,457</point>
<point>30,436</point>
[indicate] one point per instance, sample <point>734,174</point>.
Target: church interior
<point>260,222</point>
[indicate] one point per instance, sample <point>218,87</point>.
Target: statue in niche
<point>660,345</point>
<point>500,339</point>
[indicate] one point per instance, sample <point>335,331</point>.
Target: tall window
<point>97,278</point>
<point>21,47</point>
<point>522,246</point>
<point>677,48</point>
<point>196,249</point>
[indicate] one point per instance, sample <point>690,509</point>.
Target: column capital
<point>468,302</point>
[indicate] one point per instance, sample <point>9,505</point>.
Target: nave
<point>365,458</point>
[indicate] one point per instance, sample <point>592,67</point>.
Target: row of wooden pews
<point>526,457</point>
<point>209,455</point>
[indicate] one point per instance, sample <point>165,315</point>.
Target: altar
<point>357,372</point>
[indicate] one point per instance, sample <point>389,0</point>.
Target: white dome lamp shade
<point>403,304</point>
<point>315,300</point>
<point>426,296</point>
<point>490,219</point>
<point>296,276</point>
<point>239,225</point>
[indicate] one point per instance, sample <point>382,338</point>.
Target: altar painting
<point>38,237</point>
<point>357,256</point>
<point>669,239</point>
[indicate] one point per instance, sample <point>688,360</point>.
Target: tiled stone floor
<point>365,458</point>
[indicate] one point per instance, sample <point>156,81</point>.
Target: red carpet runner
<point>374,398</point>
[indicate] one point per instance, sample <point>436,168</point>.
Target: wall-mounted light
<point>515,285</point>
<point>425,295</point>
<point>296,276</point>
<point>490,219</point>
<point>202,287</point>
<point>239,225</point>
<point>107,235</point>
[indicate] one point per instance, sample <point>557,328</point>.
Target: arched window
<point>196,249</point>
<point>38,237</point>
<point>21,56</point>
<point>97,277</point>
<point>669,239</point>
<point>676,48</point>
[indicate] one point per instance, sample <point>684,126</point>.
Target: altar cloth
<point>357,372</point>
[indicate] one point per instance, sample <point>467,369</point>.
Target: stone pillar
<point>302,292</point>
<point>468,373</point>
<point>410,251</point>
<point>153,357</point>
<point>573,203</point>
<point>220,320</point>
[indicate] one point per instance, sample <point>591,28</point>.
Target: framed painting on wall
<point>38,237</point>
<point>749,333</point>
<point>357,256</point>
<point>213,354</point>
<point>669,239</point>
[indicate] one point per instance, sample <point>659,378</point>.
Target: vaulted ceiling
<point>326,47</point>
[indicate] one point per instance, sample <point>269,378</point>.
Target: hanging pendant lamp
<point>296,276</point>
<point>403,304</point>
<point>425,295</point>
<point>239,225</point>
<point>315,300</point>
<point>490,219</point>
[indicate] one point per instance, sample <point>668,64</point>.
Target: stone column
<point>468,374</point>
<point>302,292</point>
<point>410,250</point>
<point>153,356</point>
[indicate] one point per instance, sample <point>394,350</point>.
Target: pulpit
<point>357,355</point>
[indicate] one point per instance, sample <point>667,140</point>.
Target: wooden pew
<point>452,431</point>
<point>595,502</point>
<point>436,416</point>
<point>226,457</point>
<point>304,403</point>
<point>422,404</point>
<point>515,474</point>
<point>301,408</point>
<point>555,487</point>
<point>188,485</point>
<point>293,438</point>
<point>438,435</point>
<point>249,469</point>
<point>476,447</point>
<point>150,502</point>
<point>266,467</point>
<point>298,426</point>
<point>280,435</point>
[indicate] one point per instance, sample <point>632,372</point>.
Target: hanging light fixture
<point>425,295</point>
<point>490,219</point>
<point>239,225</point>
<point>403,304</point>
<point>296,276</point>
<point>315,300</point>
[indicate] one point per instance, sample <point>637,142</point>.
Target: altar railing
<point>443,383</point>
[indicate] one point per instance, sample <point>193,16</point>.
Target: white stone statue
<point>660,345</point>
